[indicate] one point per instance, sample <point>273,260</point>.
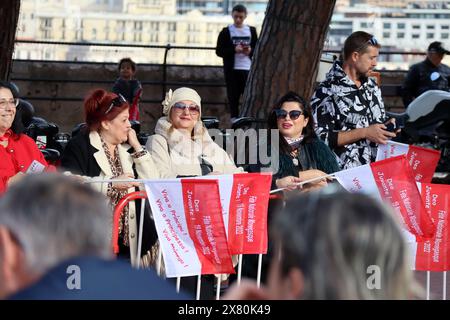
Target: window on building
<point>137,36</point>
<point>445,27</point>
<point>94,34</point>
<point>400,35</point>
<point>416,36</point>
<point>386,25</point>
<point>171,38</point>
<point>171,26</point>
<point>444,35</point>
<point>152,2</point>
<point>154,26</point>
<point>430,27</point>
<point>192,38</point>
<point>416,26</point>
<point>364,25</point>
<point>154,37</point>
<point>121,28</point>
<point>386,35</point>
<point>400,25</point>
<point>107,31</point>
<point>47,22</point>
<point>138,25</point>
<point>192,27</point>
<point>430,35</point>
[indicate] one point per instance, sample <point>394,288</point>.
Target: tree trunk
<point>9,13</point>
<point>287,54</point>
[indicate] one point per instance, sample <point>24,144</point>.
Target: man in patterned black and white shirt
<point>348,107</point>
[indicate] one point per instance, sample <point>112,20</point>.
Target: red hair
<point>97,104</point>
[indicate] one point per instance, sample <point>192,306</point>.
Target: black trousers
<point>235,81</point>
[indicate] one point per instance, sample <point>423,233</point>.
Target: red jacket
<point>17,157</point>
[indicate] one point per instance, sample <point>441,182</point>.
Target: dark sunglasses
<point>371,42</point>
<point>116,102</point>
<point>180,107</point>
<point>293,114</point>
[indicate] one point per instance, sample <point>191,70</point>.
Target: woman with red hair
<point>108,148</point>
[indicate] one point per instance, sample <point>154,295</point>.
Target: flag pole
<point>158,262</point>
<point>258,276</point>
<point>117,180</point>
<point>219,282</point>
<point>178,284</point>
<point>428,285</point>
<point>444,286</point>
<point>239,270</point>
<point>199,284</point>
<point>141,228</point>
<point>331,175</point>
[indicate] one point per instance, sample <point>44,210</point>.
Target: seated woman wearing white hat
<point>181,147</point>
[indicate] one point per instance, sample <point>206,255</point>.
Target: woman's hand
<point>313,174</point>
<point>133,140</point>
<point>290,183</point>
<point>123,186</point>
<point>16,178</point>
<point>214,173</point>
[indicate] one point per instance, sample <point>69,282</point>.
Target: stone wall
<point>57,89</point>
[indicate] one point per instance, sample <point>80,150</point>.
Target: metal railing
<point>164,82</point>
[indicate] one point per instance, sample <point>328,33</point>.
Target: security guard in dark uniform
<point>429,74</point>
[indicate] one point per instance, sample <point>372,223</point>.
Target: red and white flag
<point>191,231</point>
<point>245,202</point>
<point>392,181</point>
<point>423,161</point>
<point>249,202</point>
<point>434,254</point>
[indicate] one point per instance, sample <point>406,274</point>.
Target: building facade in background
<point>399,25</point>
<point>138,22</point>
<point>220,7</point>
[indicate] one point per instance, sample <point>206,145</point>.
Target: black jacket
<point>78,156</point>
<point>311,155</point>
<point>418,80</point>
<point>225,48</point>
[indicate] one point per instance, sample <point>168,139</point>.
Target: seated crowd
<point>326,240</point>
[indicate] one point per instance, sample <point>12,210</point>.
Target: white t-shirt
<point>241,36</point>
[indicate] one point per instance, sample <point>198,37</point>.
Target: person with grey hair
<point>55,236</point>
<point>334,245</point>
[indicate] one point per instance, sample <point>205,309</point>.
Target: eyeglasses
<point>11,102</point>
<point>179,107</point>
<point>116,102</point>
<point>293,114</point>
